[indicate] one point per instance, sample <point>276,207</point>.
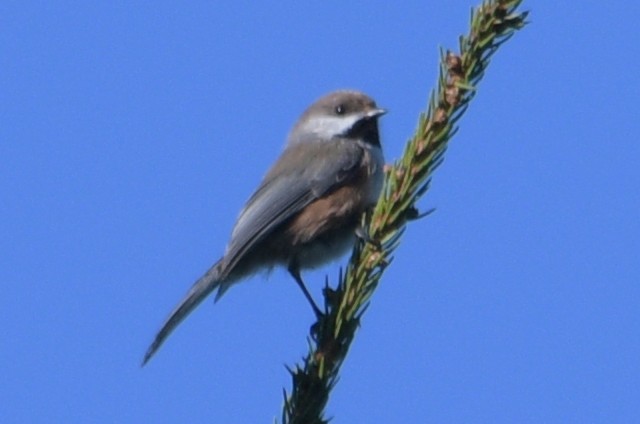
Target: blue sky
<point>132,133</point>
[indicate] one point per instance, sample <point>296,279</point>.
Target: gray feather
<point>198,292</point>
<point>304,173</point>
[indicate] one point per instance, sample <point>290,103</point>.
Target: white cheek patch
<point>326,127</point>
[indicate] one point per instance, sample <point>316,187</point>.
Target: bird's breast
<point>325,229</point>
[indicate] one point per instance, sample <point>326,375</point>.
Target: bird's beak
<point>374,113</point>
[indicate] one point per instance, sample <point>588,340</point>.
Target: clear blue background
<point>132,133</point>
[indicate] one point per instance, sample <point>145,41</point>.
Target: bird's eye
<point>339,110</point>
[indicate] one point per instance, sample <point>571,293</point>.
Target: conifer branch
<point>492,23</point>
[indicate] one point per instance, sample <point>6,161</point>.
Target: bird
<point>307,210</point>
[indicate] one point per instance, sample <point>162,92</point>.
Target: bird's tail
<point>211,280</point>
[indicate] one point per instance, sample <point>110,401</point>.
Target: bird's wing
<point>303,173</point>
